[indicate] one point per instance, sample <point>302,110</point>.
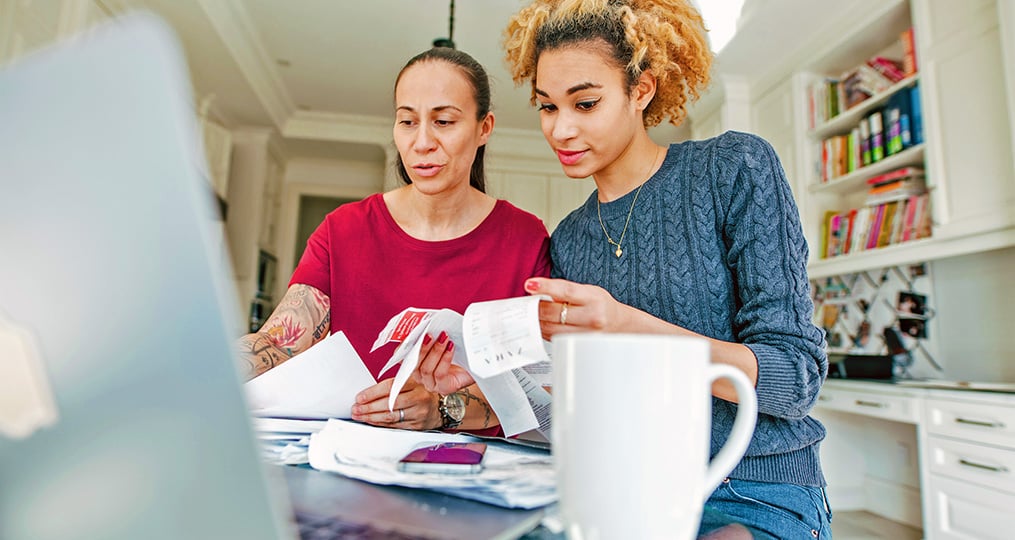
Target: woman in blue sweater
<point>700,238</point>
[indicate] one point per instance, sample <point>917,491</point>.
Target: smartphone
<point>446,458</point>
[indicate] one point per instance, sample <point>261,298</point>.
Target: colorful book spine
<point>898,220</point>
<point>847,239</point>
<point>875,227</point>
<point>908,52</point>
<point>916,114</point>
<point>877,137</point>
<point>865,143</point>
<point>885,230</point>
<point>908,224</point>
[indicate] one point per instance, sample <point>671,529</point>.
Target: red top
<point>371,269</point>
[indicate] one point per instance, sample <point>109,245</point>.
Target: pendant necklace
<point>617,243</point>
<point>620,251</point>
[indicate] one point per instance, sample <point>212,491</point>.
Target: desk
<point>417,510</point>
<point>937,458</point>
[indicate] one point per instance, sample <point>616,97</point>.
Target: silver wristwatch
<point>452,409</point>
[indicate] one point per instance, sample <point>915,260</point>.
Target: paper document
<point>285,441</point>
<point>497,336</point>
<point>513,476</point>
<point>321,382</point>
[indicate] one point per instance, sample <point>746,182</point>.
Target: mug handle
<point>743,426</point>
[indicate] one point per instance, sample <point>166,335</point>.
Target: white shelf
<point>915,251</point>
<point>912,156</point>
<point>845,121</point>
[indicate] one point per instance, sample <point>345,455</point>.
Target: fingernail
<point>531,285</point>
<point>355,409</point>
<point>451,346</point>
<point>443,337</point>
<point>426,339</point>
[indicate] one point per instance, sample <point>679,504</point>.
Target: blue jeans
<point>782,511</point>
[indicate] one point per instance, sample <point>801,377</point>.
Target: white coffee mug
<point>632,418</point>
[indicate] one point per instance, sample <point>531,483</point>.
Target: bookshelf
<point>845,120</point>
<point>965,82</point>
<point>966,144</point>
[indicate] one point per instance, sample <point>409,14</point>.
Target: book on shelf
<point>896,191</point>
<point>847,239</point>
<point>877,218</point>
<point>922,217</point>
<point>891,70</point>
<point>834,235</point>
<point>895,174</point>
<point>861,229</point>
<point>853,152</point>
<point>865,143</point>
<point>898,110</point>
<point>908,219</point>
<point>916,114</point>
<point>908,52</point>
<point>877,136</point>
<point>887,222</point>
<point>898,220</point>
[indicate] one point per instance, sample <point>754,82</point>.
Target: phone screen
<point>449,458</point>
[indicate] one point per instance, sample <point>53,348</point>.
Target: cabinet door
<point>965,116</point>
<point>960,510</point>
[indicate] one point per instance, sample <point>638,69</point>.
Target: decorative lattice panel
<point>855,309</point>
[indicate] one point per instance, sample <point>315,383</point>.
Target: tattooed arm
<point>478,413</point>
<point>302,318</point>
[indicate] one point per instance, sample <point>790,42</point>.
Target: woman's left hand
<point>576,307</point>
<point>415,407</point>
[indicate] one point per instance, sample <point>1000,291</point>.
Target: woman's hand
<point>435,371</point>
<point>576,307</point>
<point>415,407</point>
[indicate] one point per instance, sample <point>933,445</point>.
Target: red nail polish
<point>531,286</point>
<point>443,337</point>
<point>426,339</point>
<point>451,346</point>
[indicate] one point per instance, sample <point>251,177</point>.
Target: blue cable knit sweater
<point>715,246</point>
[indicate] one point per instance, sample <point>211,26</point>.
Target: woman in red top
<point>438,242</point>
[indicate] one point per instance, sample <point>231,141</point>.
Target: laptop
<point>121,410</point>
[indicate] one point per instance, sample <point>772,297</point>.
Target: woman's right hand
<point>577,307</point>
<point>435,371</point>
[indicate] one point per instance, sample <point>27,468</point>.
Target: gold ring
<point>563,313</point>
<point>401,415</point>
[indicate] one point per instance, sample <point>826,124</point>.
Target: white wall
<point>324,178</point>
<point>974,298</point>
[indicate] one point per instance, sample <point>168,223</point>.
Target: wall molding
<point>237,30</point>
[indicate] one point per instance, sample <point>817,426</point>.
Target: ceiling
<point>323,70</point>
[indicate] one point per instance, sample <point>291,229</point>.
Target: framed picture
<point>911,304</point>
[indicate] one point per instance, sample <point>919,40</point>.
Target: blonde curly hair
<point>667,37</point>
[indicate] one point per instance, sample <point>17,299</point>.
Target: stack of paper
<point>321,382</point>
<point>285,441</point>
<point>513,476</point>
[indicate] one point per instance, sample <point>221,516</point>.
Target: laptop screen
<point>109,278</point>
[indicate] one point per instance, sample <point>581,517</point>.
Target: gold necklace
<point>620,251</point>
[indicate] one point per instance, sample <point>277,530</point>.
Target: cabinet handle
<point>874,404</point>
<point>824,398</point>
<point>983,466</point>
<point>981,423</point>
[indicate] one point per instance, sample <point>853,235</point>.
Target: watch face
<point>455,406</point>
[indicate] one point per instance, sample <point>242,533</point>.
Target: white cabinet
<point>969,452</point>
<point>965,479</point>
<point>969,140</point>
<point>889,405</point>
